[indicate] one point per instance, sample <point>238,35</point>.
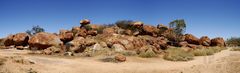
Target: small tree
<point>179,27</point>
<point>35,30</point>
<point>127,24</point>
<point>124,24</point>
<point>233,41</point>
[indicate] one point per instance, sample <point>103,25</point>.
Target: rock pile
<point>140,38</point>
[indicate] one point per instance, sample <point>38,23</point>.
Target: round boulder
<point>85,22</point>
<point>205,41</point>
<point>19,39</point>
<point>191,39</point>
<point>120,58</point>
<point>137,24</point>
<point>65,36</point>
<point>44,40</point>
<point>218,42</point>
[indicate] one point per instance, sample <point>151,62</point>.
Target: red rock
<point>94,26</point>
<point>191,39</point>
<point>66,36</point>
<point>139,42</point>
<point>44,40</point>
<point>92,32</point>
<point>218,42</point>
<point>79,44</point>
<point>161,26</point>
<point>150,30</point>
<point>120,58</point>
<point>137,24</point>
<point>205,41</point>
<point>19,39</point>
<point>192,46</point>
<point>128,32</point>
<point>85,22</point>
<point>81,33</point>
<point>9,40</point>
<point>160,43</point>
<point>182,44</point>
<point>108,31</point>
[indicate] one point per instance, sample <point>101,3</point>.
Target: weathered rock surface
<point>183,44</point>
<point>218,42</point>
<point>150,30</point>
<point>44,40</point>
<point>137,24</point>
<point>120,58</point>
<point>85,22</point>
<point>66,36</point>
<point>205,41</point>
<point>79,44</point>
<point>191,39</point>
<point>19,39</point>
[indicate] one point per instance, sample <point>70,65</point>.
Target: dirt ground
<point>225,61</point>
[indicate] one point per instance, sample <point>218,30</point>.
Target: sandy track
<point>222,62</point>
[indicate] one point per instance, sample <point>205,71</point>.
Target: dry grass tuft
<point>177,54</point>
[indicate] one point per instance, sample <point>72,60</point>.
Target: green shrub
<point>89,52</point>
<point>2,42</point>
<point>177,54</point>
<point>199,52</point>
<point>217,49</point>
<point>109,59</point>
<point>233,41</point>
<point>148,54</point>
<point>203,52</point>
<point>235,49</point>
<point>126,24</point>
<point>35,30</point>
<point>207,51</point>
<point>129,53</point>
<point>2,60</point>
<point>87,27</point>
<point>210,51</point>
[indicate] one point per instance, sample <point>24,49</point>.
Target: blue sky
<point>203,17</point>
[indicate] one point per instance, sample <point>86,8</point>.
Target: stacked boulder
<point>66,36</point>
<point>84,22</point>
